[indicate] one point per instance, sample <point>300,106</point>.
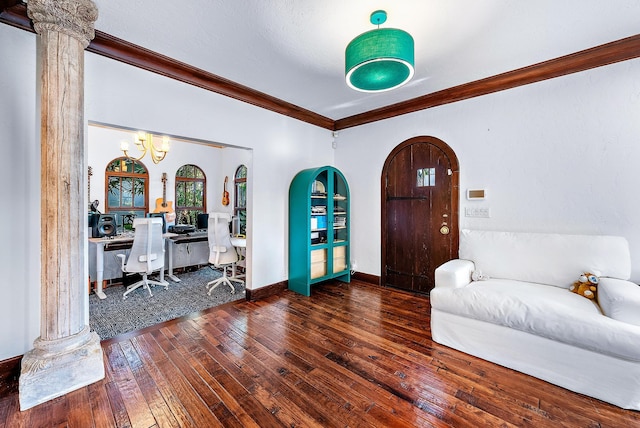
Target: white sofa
<point>521,315</point>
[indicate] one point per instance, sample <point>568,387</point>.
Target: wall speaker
<point>103,225</point>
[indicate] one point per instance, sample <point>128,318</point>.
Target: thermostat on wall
<point>475,194</point>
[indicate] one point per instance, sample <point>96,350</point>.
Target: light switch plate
<point>477,212</point>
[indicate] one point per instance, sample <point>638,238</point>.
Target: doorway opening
<point>186,185</point>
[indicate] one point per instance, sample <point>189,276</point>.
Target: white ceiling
<point>294,49</point>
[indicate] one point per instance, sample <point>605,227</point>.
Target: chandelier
<point>145,144</point>
<point>381,59</point>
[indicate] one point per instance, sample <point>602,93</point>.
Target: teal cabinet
<point>318,228</point>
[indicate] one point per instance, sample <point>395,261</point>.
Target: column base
<point>56,367</point>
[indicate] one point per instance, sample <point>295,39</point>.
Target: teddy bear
<point>586,285</point>
<point>477,275</point>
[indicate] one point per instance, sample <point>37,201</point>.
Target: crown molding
<point>609,53</point>
<point>137,56</point>
<point>14,12</point>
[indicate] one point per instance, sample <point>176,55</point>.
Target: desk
<point>100,243</point>
<point>241,245</point>
<point>190,249</point>
<point>197,252</point>
<point>196,257</point>
<point>239,242</point>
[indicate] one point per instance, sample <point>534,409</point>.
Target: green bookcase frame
<point>319,242</point>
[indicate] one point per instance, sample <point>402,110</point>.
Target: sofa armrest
<point>454,273</point>
<point>620,300</point>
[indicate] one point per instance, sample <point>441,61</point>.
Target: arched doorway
<point>420,202</point>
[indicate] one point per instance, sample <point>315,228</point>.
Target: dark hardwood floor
<point>349,355</point>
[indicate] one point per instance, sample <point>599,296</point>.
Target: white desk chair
<point>222,254</point>
<point>147,254</point>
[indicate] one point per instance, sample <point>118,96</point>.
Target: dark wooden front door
<point>419,213</point>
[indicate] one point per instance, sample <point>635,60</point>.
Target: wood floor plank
<point>99,404</point>
<point>51,413</point>
<point>145,349</point>
<point>77,415</point>
<point>133,399</point>
<point>4,410</point>
<point>353,355</point>
<point>230,385</point>
<point>14,417</point>
<point>184,391</point>
<point>120,415</point>
<point>158,406</point>
<point>231,394</point>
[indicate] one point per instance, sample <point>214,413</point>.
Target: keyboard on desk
<point>198,235</point>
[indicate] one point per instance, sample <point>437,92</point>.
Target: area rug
<point>113,316</point>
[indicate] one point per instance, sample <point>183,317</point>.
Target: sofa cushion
<point>550,312</point>
<point>620,300</point>
<point>545,258</point>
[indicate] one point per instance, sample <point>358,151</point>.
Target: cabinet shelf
<point>314,217</point>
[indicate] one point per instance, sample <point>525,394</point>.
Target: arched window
<point>127,188</point>
<point>240,200</point>
<point>191,194</point>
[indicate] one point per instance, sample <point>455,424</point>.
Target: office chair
<point>147,254</point>
<point>222,254</point>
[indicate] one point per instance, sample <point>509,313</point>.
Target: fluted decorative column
<point>67,355</point>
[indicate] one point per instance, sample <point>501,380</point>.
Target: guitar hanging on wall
<point>225,194</point>
<point>164,206</point>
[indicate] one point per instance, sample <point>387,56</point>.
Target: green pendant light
<point>381,59</point>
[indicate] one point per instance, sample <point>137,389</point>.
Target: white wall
<point>122,95</point>
<point>556,156</point>
<point>20,175</point>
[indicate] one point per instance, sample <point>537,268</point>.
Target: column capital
<point>72,17</point>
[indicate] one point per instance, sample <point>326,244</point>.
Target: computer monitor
<point>203,221</point>
<point>235,225</point>
<point>91,218</point>
<point>164,221</point>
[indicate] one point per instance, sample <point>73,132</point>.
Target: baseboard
<point>269,290</point>
<point>366,277</point>
<point>278,287</point>
<point>9,375</point>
